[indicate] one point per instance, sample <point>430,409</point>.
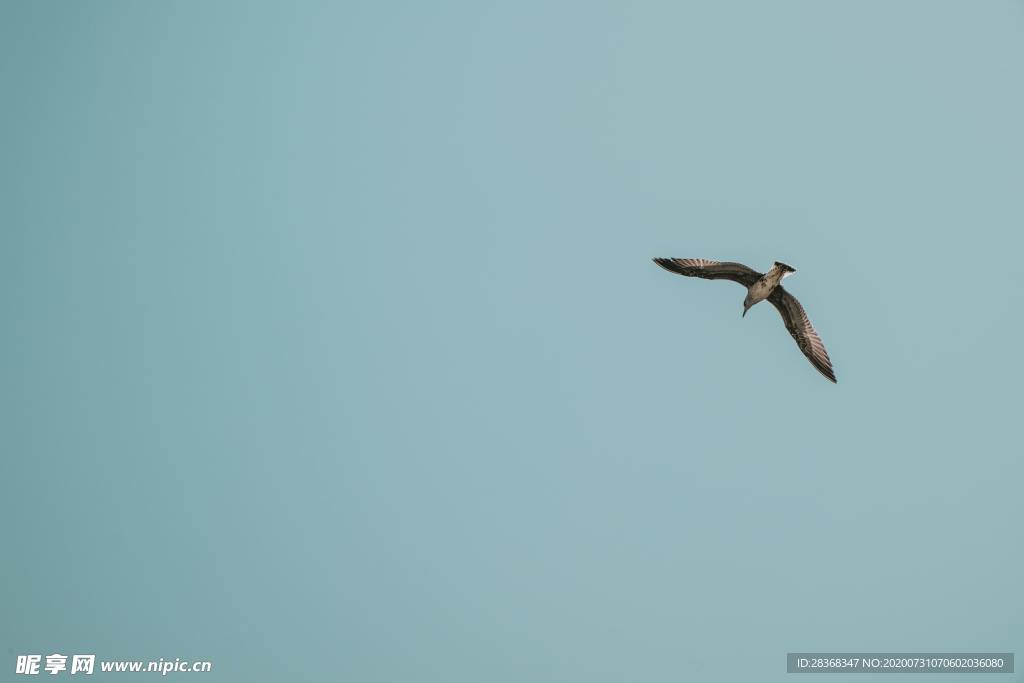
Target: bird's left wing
<point>799,325</point>
<point>710,270</point>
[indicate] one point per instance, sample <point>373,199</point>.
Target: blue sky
<point>335,349</point>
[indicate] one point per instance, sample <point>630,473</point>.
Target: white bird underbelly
<point>762,289</point>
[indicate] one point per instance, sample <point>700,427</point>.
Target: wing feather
<point>799,325</point>
<point>710,270</point>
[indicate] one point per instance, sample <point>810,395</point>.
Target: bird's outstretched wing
<point>799,325</point>
<point>710,270</point>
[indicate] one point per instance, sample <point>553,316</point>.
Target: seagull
<point>761,286</point>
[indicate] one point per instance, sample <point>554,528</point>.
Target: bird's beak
<point>744,312</point>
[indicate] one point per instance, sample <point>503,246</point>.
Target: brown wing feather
<point>710,270</point>
<point>799,325</point>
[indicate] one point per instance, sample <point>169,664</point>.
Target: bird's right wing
<point>799,325</point>
<point>710,270</point>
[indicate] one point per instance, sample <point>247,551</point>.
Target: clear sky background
<point>333,349</point>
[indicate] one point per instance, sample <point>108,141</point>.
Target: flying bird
<point>761,286</point>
